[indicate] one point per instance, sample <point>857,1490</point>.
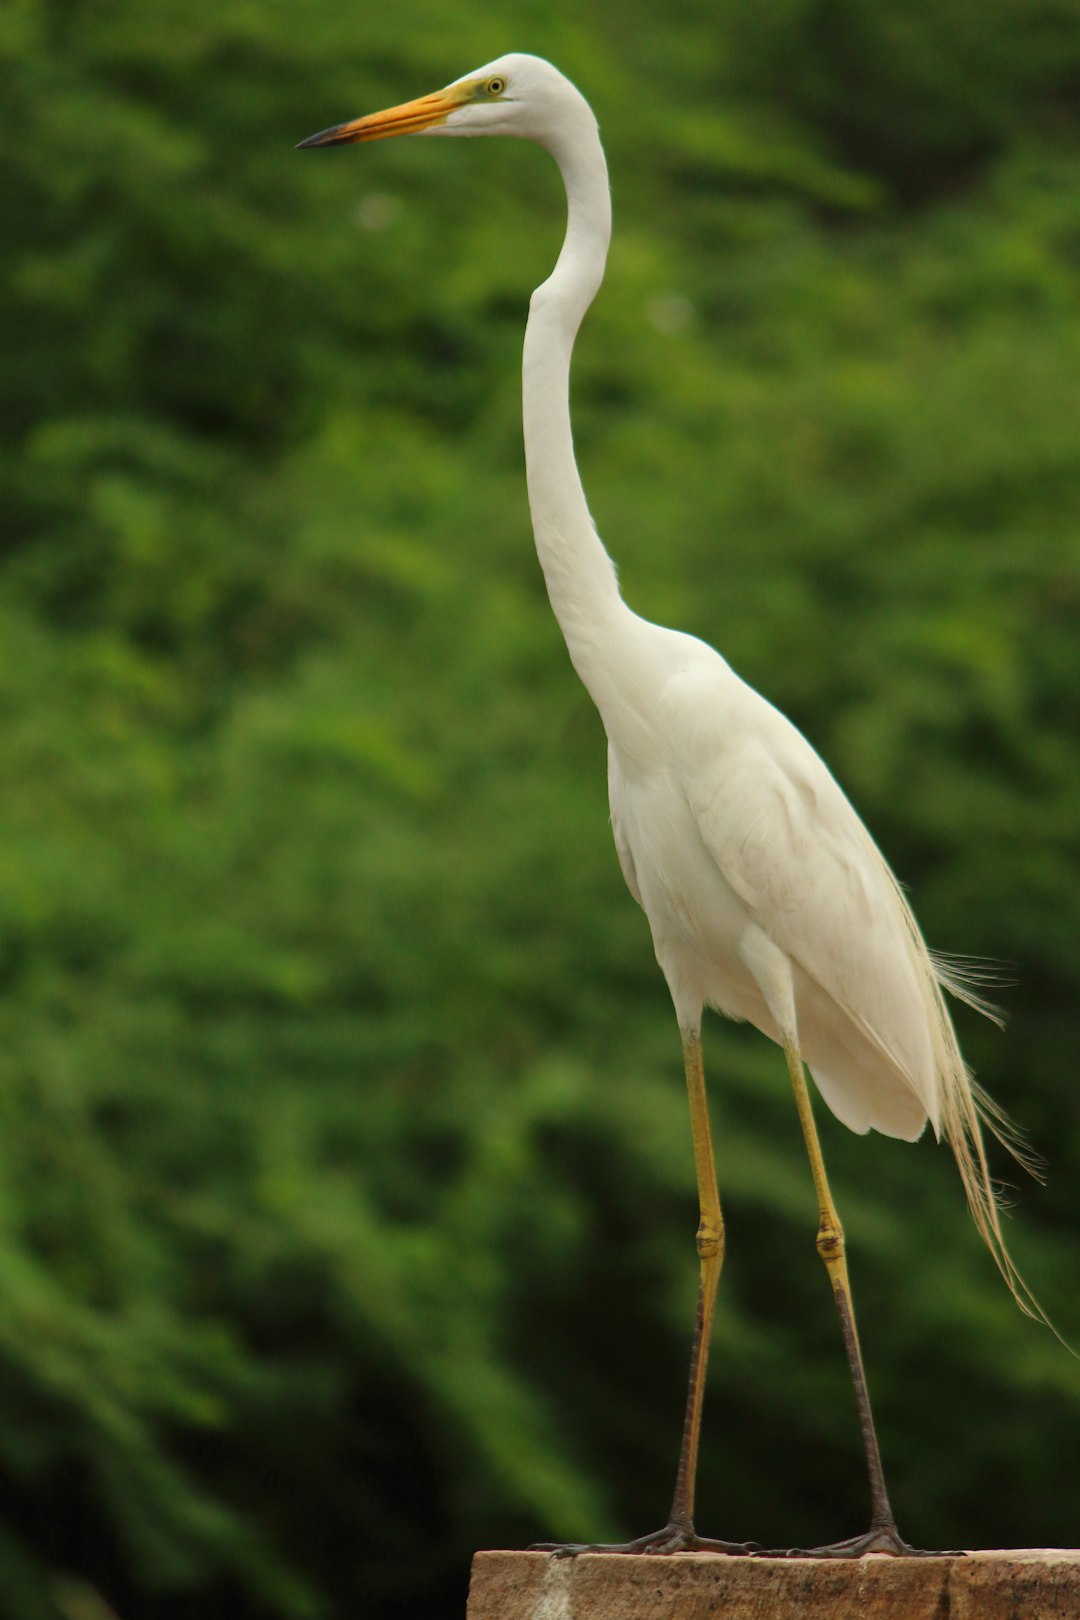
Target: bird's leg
<point>679,1535</point>
<point>710,1248</point>
<point>883,1535</point>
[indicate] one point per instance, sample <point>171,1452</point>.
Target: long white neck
<point>579,573</point>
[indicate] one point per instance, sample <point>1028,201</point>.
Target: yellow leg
<point>710,1247</point>
<point>679,1535</point>
<point>883,1535</point>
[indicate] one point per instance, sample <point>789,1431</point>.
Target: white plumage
<point>767,899</point>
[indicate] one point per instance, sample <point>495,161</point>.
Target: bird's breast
<point>697,920</point>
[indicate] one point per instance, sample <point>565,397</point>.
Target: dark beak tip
<point>325,137</point>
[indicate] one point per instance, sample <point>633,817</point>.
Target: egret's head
<point>514,95</point>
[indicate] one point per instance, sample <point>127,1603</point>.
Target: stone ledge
<point>1024,1584</point>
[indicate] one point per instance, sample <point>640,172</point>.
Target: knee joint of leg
<point>710,1239</point>
<point>830,1241</point>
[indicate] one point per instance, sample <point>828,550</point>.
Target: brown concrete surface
<point>1027,1584</point>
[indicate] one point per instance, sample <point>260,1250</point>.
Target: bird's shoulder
<point>767,807</point>
<point>701,700</point>
<point>720,728</point>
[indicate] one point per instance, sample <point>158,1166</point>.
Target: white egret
<point>766,896</point>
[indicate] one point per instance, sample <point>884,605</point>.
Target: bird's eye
<point>495,87</point>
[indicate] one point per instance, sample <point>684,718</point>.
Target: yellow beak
<point>408,119</point>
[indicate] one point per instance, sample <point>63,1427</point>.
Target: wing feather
<point>618,831</point>
<point>791,845</point>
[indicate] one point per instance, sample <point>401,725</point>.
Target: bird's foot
<point>880,1538</point>
<point>673,1538</point>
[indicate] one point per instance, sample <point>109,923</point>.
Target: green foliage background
<point>346,1199</point>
